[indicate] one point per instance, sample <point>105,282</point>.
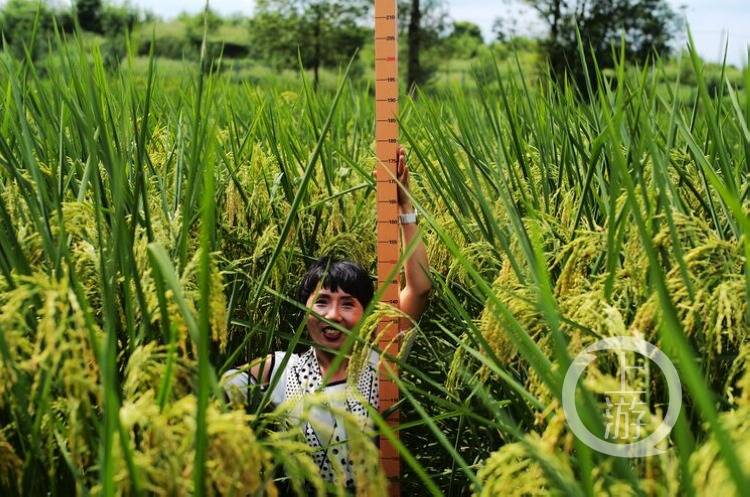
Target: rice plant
<point>153,228</point>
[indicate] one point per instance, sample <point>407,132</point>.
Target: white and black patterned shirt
<point>323,430</point>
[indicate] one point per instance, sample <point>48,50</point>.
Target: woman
<point>337,292</point>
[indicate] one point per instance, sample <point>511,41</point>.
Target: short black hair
<point>350,276</point>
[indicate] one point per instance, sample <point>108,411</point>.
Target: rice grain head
<point>163,449</point>
<point>709,471</point>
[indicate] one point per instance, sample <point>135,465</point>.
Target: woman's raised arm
<point>413,297</point>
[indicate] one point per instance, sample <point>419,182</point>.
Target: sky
<point>712,22</point>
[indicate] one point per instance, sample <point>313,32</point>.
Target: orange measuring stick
<point>386,149</point>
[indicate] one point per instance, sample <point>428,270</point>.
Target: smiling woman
<point>336,293</point>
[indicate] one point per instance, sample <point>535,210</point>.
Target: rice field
<point>154,227</point>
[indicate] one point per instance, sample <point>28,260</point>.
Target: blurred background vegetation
<point>437,51</point>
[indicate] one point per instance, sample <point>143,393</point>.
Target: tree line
<point>326,33</point>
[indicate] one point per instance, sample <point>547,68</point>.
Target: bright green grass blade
<point>204,325</point>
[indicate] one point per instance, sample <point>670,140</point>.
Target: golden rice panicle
<point>720,298</point>
<point>18,340</point>
<point>86,264</point>
<point>292,453</point>
<point>709,471</point>
<point>513,471</point>
<point>11,466</point>
<point>494,326</point>
<point>369,338</point>
<point>265,244</point>
<point>147,366</point>
<point>264,167</point>
<point>235,215</point>
<point>26,233</point>
<point>163,445</point>
<point>284,266</point>
<point>178,324</point>
<point>458,366</point>
<point>691,231</point>
<point>368,474</point>
<point>246,191</point>
<point>340,219</point>
<point>518,299</point>
<point>145,276</point>
<point>62,343</point>
<point>568,206</point>
<point>510,471</point>
<point>714,316</point>
<point>72,438</point>
<point>78,220</point>
<point>438,254</point>
<point>476,250</point>
<point>740,368</point>
<point>356,245</point>
<point>217,304</point>
<point>56,360</point>
<point>237,461</point>
<point>482,257</point>
<point>576,260</point>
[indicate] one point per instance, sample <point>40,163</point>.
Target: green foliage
<point>118,19</point>
<point>170,47</point>
<point>469,29</point>
<point>90,15</point>
<point>323,33</point>
<point>20,20</point>
<point>435,22</point>
<point>645,27</point>
<point>423,24</point>
<point>465,40</point>
<point>195,24</point>
<point>181,39</point>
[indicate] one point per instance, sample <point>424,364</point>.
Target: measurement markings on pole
<point>388,250</point>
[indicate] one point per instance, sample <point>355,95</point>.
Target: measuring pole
<point>386,149</point>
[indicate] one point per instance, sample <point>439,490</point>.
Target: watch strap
<point>409,218</point>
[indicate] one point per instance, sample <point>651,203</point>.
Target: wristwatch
<point>410,218</point>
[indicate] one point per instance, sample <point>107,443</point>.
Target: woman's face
<point>337,307</point>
